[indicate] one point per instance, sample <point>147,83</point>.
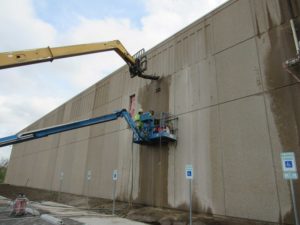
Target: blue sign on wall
<point>289,166</point>
<point>189,172</point>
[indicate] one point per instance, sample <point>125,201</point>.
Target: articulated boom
<point>137,63</point>
<point>148,134</point>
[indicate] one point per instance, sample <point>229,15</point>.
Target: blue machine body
<point>148,134</point>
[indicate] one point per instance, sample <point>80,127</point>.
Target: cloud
<point>27,93</point>
<point>20,27</point>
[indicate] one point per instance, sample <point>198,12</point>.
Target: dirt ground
<point>83,202</point>
<point>135,212</point>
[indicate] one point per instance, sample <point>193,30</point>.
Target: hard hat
<point>140,110</point>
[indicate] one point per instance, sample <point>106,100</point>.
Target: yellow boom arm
<point>137,64</point>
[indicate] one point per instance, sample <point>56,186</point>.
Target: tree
<point>3,168</point>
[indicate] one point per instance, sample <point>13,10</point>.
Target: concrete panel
<point>93,164</point>
<point>130,85</point>
<point>161,60</point>
<point>155,95</point>
<point>17,151</point>
<point>36,125</point>
<point>98,129</point>
<point>283,118</point>
<point>203,85</point>
<point>107,163</point>
<point>232,25</point>
<point>125,105</point>
<point>248,167</point>
<point>32,147</point>
<point>200,147</point>
<point>84,106</point>
<point>150,55</point>
<point>171,58</point>
<point>116,86</point>
<point>20,176</point>
<point>26,171</point>
<point>101,95</point>
<point>172,92</point>
<point>151,164</point>
<point>52,161</point>
<point>199,45</point>
<point>69,137</point>
<point>274,48</point>
<point>195,87</point>
<point>65,166</point>
<point>57,180</point>
<point>77,175</point>
<point>238,72</point>
<point>113,126</point>
<point>153,172</point>
<point>76,135</point>
<point>41,169</point>
<point>125,166</point>
<point>11,171</point>
<point>38,169</point>
<point>270,13</point>
<point>181,52</point>
<point>71,161</point>
<point>67,114</point>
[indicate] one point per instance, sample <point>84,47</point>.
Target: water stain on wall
<point>196,206</point>
<point>284,103</point>
<point>153,169</point>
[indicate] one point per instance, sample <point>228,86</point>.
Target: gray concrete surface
<point>106,221</point>
<point>68,214</point>
<point>237,108</point>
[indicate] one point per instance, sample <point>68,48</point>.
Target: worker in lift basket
<point>137,119</point>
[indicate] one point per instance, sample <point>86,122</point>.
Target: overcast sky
<point>27,93</point>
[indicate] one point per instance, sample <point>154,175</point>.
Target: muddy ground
<point>141,213</point>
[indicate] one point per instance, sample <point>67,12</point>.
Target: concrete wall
<point>237,108</point>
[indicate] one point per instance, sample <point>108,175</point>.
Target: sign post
<point>290,173</point>
<point>114,178</point>
<point>61,178</point>
<point>88,178</point>
<point>189,176</point>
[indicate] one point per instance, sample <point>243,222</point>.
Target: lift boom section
<point>145,135</point>
<point>137,63</point>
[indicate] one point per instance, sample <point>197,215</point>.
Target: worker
<point>137,119</point>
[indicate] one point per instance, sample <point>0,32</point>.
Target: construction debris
<point>51,219</point>
<point>19,205</point>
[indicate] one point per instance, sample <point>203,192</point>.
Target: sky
<point>27,93</point>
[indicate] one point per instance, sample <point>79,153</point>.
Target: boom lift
<point>137,63</point>
<point>150,132</point>
<point>153,130</point>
